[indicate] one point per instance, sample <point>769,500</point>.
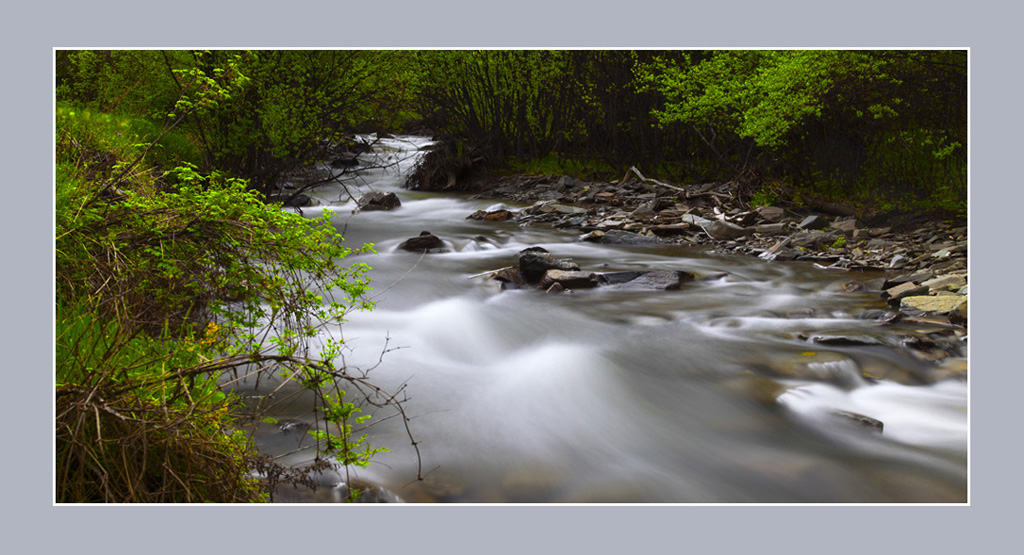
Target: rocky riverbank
<point>923,258</point>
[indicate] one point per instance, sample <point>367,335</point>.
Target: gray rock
<point>658,280</point>
<point>569,279</point>
<point>771,229</point>
<point>621,237</point>
<point>535,262</point>
<point>378,200</point>
<point>813,238</point>
<point>771,213</point>
<point>846,225</point>
<point>426,243</point>
<point>721,229</point>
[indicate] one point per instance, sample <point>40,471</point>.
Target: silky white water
<point>623,396</point>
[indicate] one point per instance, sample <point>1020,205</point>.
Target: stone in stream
<point>827,366</point>
<point>425,243</point>
<point>494,216</point>
<point>568,280</point>
<point>378,200</point>
<point>858,419</point>
<point>656,280</point>
<point>534,262</point>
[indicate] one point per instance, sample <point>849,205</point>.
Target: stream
<point>714,393</point>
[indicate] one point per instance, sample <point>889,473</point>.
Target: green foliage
<point>862,124</point>
<point>166,282</point>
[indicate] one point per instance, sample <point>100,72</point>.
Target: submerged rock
<point>655,280</point>
<point>534,262</point>
<point>379,201</point>
<point>425,243</point>
<point>568,279</point>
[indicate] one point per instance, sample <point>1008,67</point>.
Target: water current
<point>709,394</point>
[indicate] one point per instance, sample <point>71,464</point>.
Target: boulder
<point>378,200</point>
<point>495,216</point>
<point>291,199</point>
<point>568,279</point>
<point>345,160</point>
<point>425,243</point>
<point>657,280</point>
<point>621,237</point>
<point>534,262</point>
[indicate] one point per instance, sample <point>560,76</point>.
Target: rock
<point>669,229</point>
<point>950,369</point>
<point>938,304</point>
<point>904,290</point>
<point>771,229</point>
<point>846,226</point>
<point>593,237</point>
<point>845,340</point>
<point>771,213</point>
<point>813,239</point>
<point>345,160</point>
<point>959,313</point>
<point>657,280</point>
<point>621,237</point>
<point>898,261</point>
<point>721,229</point>
<point>696,220</point>
<point>859,419</point>
<point>291,199</point>
<point>916,277</point>
<point>815,365</point>
<point>495,216</point>
<point>615,278</point>
<point>945,283</point>
<point>377,200</point>
<point>813,222</point>
<point>534,262</point>
<point>569,279</point>
<point>426,243</point>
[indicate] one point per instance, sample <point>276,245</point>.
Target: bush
<point>165,283</point>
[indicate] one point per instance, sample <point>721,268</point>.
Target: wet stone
<point>535,262</point>
<point>859,420</point>
<point>569,279</point>
<point>658,280</point>
<point>425,243</point>
<point>378,200</point>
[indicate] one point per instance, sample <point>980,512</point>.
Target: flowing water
<point>625,396</point>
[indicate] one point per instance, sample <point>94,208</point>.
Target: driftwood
<point>689,193</point>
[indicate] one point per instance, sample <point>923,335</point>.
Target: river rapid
<point>715,393</point>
